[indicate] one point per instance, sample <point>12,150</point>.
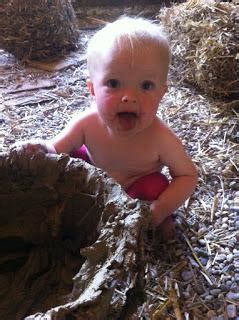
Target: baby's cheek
<point>150,103</point>
<point>106,107</point>
<point>155,101</point>
<point>105,101</point>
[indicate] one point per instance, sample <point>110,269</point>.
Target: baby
<point>128,63</point>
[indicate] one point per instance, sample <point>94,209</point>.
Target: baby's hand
<point>157,215</point>
<point>30,147</point>
<point>164,224</point>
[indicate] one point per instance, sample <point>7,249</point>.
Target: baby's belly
<point>127,179</point>
<point>124,181</point>
<point>127,168</point>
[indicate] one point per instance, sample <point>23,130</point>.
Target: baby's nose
<point>129,97</point>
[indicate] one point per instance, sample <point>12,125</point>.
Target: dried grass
<point>38,29</point>
<point>204,41</point>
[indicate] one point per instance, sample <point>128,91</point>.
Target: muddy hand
<point>30,147</point>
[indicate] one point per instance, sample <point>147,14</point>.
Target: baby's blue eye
<point>113,83</point>
<point>148,85</point>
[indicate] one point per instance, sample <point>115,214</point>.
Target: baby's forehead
<point>129,62</point>
<point>129,50</point>
<point>131,47</point>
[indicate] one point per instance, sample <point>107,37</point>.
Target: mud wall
<point>88,3</point>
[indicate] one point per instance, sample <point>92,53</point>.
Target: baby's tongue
<point>127,120</point>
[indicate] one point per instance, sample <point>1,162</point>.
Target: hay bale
<point>38,29</point>
<point>61,218</point>
<point>205,44</point>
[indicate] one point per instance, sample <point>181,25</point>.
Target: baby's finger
<point>29,147</point>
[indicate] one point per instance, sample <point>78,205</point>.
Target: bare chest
<point>125,160</point>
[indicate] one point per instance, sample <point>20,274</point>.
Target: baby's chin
<point>116,129</point>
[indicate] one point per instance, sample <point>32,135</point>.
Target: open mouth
<point>127,120</point>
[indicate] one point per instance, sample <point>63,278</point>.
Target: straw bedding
<point>38,29</point>
<point>204,39</point>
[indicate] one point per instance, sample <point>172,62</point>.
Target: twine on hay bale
<point>64,223</point>
<point>205,44</point>
<point>38,30</point>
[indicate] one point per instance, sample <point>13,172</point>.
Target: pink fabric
<point>148,187</point>
<point>81,153</point>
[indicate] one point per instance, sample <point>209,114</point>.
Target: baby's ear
<point>90,87</point>
<point>164,89</point>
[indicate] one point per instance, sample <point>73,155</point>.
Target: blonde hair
<point>134,32</point>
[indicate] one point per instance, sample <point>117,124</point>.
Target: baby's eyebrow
<point>111,76</point>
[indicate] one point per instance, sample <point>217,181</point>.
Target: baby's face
<point>128,87</point>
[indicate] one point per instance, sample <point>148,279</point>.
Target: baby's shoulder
<point>86,116</point>
<point>161,127</point>
<point>164,133</point>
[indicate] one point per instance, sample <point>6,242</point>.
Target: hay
<point>38,29</point>
<point>204,44</point>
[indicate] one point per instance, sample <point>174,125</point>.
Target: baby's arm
<point>184,177</point>
<point>72,136</point>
